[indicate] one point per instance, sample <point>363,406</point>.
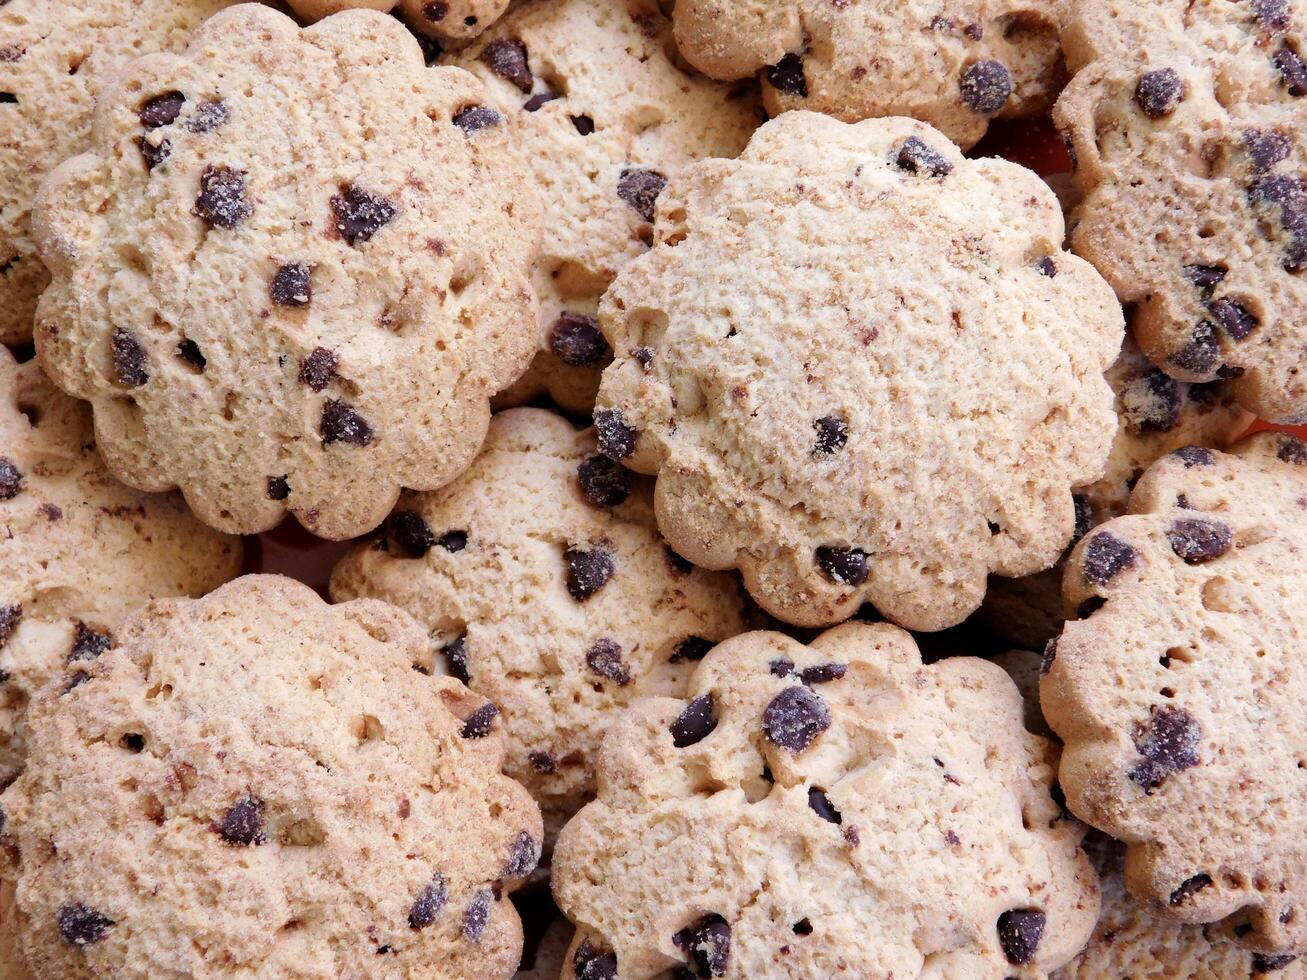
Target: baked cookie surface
<point>448,21</point>
<point>605,115</point>
<point>1187,122</point>
<point>955,66</point>
<point>1176,691</point>
<point>78,550</point>
<point>864,374</point>
<point>55,59</point>
<point>282,287</point>
<point>543,584</point>
<point>824,810</point>
<point>257,784</point>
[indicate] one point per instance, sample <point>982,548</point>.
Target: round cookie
<point>1177,691</point>
<point>447,21</point>
<point>281,286</point>
<point>604,116</point>
<point>1187,122</point>
<point>864,374</point>
<point>1155,415</point>
<point>543,584</point>
<point>79,550</point>
<point>823,810</point>
<point>1130,941</point>
<point>955,66</point>
<point>55,58</point>
<point>257,784</point>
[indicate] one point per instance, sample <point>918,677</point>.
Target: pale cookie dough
<point>446,21</point>
<point>954,65</point>
<point>292,272</point>
<point>256,784</point>
<point>55,58</point>
<point>1178,689</point>
<point>604,117</point>
<point>1132,943</point>
<point>1188,124</point>
<point>836,809</point>
<point>864,373</point>
<point>543,584</point>
<point>1156,414</point>
<point>78,550</point>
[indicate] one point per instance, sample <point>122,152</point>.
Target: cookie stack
<point>781,537</point>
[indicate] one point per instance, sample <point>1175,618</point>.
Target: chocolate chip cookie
<point>257,784</point>
<point>1177,688</point>
<point>836,808</point>
<point>315,285</point>
<point>868,373</point>
<point>446,21</point>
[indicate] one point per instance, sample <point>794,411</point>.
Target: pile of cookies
<point>783,537</point>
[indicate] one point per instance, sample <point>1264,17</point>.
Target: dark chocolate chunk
<point>1192,456</point>
<point>88,643</point>
<point>278,488</point>
<point>584,125</point>
<point>644,355</point>
<point>986,87</point>
<point>428,904</point>
<point>154,153</point>
<point>822,673</point>
<point>691,648</point>
<point>222,201</point>
<point>129,359</point>
<point>846,566</point>
<point>1106,556</point>
<point>821,805</point>
<point>603,482</point>
<point>1019,933</point>
<point>1151,402</point>
<point>160,110</point>
<point>1199,541</point>
<point>507,59</point>
<point>453,541</point>
<point>589,963</point>
<point>1266,147</point>
<point>604,657</point>
<point>358,215</point>
<point>1168,744</point>
<point>80,925</point>
<point>477,915</point>
<point>189,351</point>
<point>292,285</point>
<point>1205,277</point>
<point>75,680</point>
<point>318,369</point>
<point>1159,92</point>
<point>708,944</point>
<point>1232,317</point>
<point>1200,354</point>
<point>640,189</point>
<point>616,438</point>
<point>455,652</point>
<point>577,341</point>
<point>411,532</point>
<point>523,856</point>
<point>1271,14</point>
<point>341,423</point>
<point>10,616</point>
<point>587,571</point>
<point>695,722</point>
<point>435,11</point>
<point>832,435</point>
<point>795,718</point>
<point>787,76</point>
<point>1047,267</point>
<point>543,763</point>
<point>478,723</point>
<point>243,824</point>
<point>475,118</point>
<point>11,479</point>
<point>208,116</point>
<point>1190,886</point>
<point>1292,450</point>
<point>1293,73</point>
<point>917,156</point>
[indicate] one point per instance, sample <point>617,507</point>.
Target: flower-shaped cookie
<point>837,809</point>
<point>1188,124</point>
<point>544,585</point>
<point>605,114</point>
<point>283,286</point>
<point>864,373</point>
<point>447,21</point>
<point>256,783</point>
<point>956,65</point>
<point>78,550</point>
<point>1178,690</point>
<point>54,60</point>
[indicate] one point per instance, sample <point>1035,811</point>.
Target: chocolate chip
<point>644,355</point>
<point>455,652</point>
<point>1192,456</point>
<point>80,925</point>
<point>208,116</point>
<point>787,76</point>
<point>795,718</point>
<point>589,963</point>
<point>536,101</point>
<point>189,351</point>
<point>292,285</point>
<point>435,12</point>
<point>605,659</point>
<point>603,482</point>
<point>243,824</point>
<point>577,341</point>
<point>916,156</point>
<point>1047,267</point>
<point>1272,14</point>
<point>1019,933</point>
<point>1106,556</point>
<point>974,31</point>
<point>1168,744</point>
<point>154,153</point>
<point>616,438</point>
<point>1084,516</point>
<point>221,201</point>
<point>1159,92</point>
<point>1266,147</point>
<point>88,643</point>
<point>846,566</point>
<point>453,541</point>
<point>475,118</point>
<point>278,488</point>
<point>587,571</point>
<point>1292,450</point>
<point>318,369</point>
<point>128,359</point>
<point>341,423</point>
<point>523,856</point>
<point>11,479</point>
<point>1050,655</point>
<point>1234,318</point>
<point>822,673</point>
<point>1151,402</point>
<point>986,87</point>
<point>411,532</point>
<point>832,435</point>
<point>640,189</point>
<point>708,944</point>
<point>543,762</point>
<point>75,680</point>
<point>358,215</point>
<point>1268,962</point>
<point>584,125</point>
<point>1199,541</point>
<point>1292,70</point>
<point>781,667</point>
<point>507,59</point>
<point>691,648</point>
<point>695,722</point>
<point>429,902</point>
<point>1190,886</point>
<point>160,110</point>
<point>1200,354</point>
<point>820,804</point>
<point>10,616</point>
<point>1205,277</point>
<point>477,916</point>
